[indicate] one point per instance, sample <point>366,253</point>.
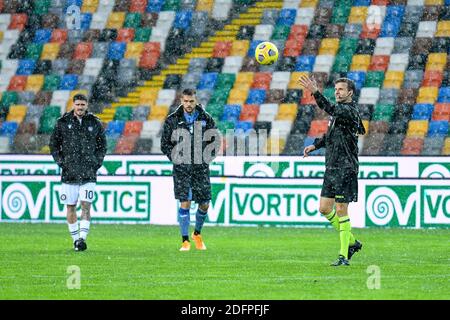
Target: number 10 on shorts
<point>71,193</point>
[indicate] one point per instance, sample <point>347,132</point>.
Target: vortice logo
<point>374,170</point>
<point>267,169</point>
<point>17,198</point>
<point>383,203</point>
<point>152,168</point>
<point>269,203</point>
<point>434,170</point>
<point>111,200</point>
<point>435,205</point>
<point>260,170</point>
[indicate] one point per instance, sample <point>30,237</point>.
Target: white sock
<point>84,228</point>
<point>73,229</point>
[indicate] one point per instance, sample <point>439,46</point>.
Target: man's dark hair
<point>350,84</point>
<point>80,96</point>
<point>189,92</point>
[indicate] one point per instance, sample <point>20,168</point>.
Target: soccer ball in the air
<point>266,53</point>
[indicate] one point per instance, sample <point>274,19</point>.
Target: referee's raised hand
<point>308,83</point>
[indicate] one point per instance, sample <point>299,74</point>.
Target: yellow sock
<point>344,235</point>
<point>334,220</point>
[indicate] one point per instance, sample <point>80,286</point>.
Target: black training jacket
<point>189,176</point>
<point>77,148</point>
<point>176,121</point>
<point>341,139</point>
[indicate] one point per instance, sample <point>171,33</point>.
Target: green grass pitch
<point>143,262</point>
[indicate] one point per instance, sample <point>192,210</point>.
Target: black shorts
<point>192,184</point>
<point>340,184</point>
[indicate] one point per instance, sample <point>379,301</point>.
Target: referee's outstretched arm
<point>344,110</point>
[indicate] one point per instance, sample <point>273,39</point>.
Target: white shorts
<point>70,193</point>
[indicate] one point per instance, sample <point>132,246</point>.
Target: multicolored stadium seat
<point>133,58</point>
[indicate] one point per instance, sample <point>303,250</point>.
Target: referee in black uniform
<point>340,184</point>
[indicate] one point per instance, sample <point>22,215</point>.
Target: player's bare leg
<point>326,208</point>
<point>184,219</point>
<point>200,217</point>
<point>342,209</point>
<point>85,210</point>
<point>71,214</point>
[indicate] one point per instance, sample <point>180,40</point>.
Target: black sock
<point>196,232</point>
<point>185,238</point>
